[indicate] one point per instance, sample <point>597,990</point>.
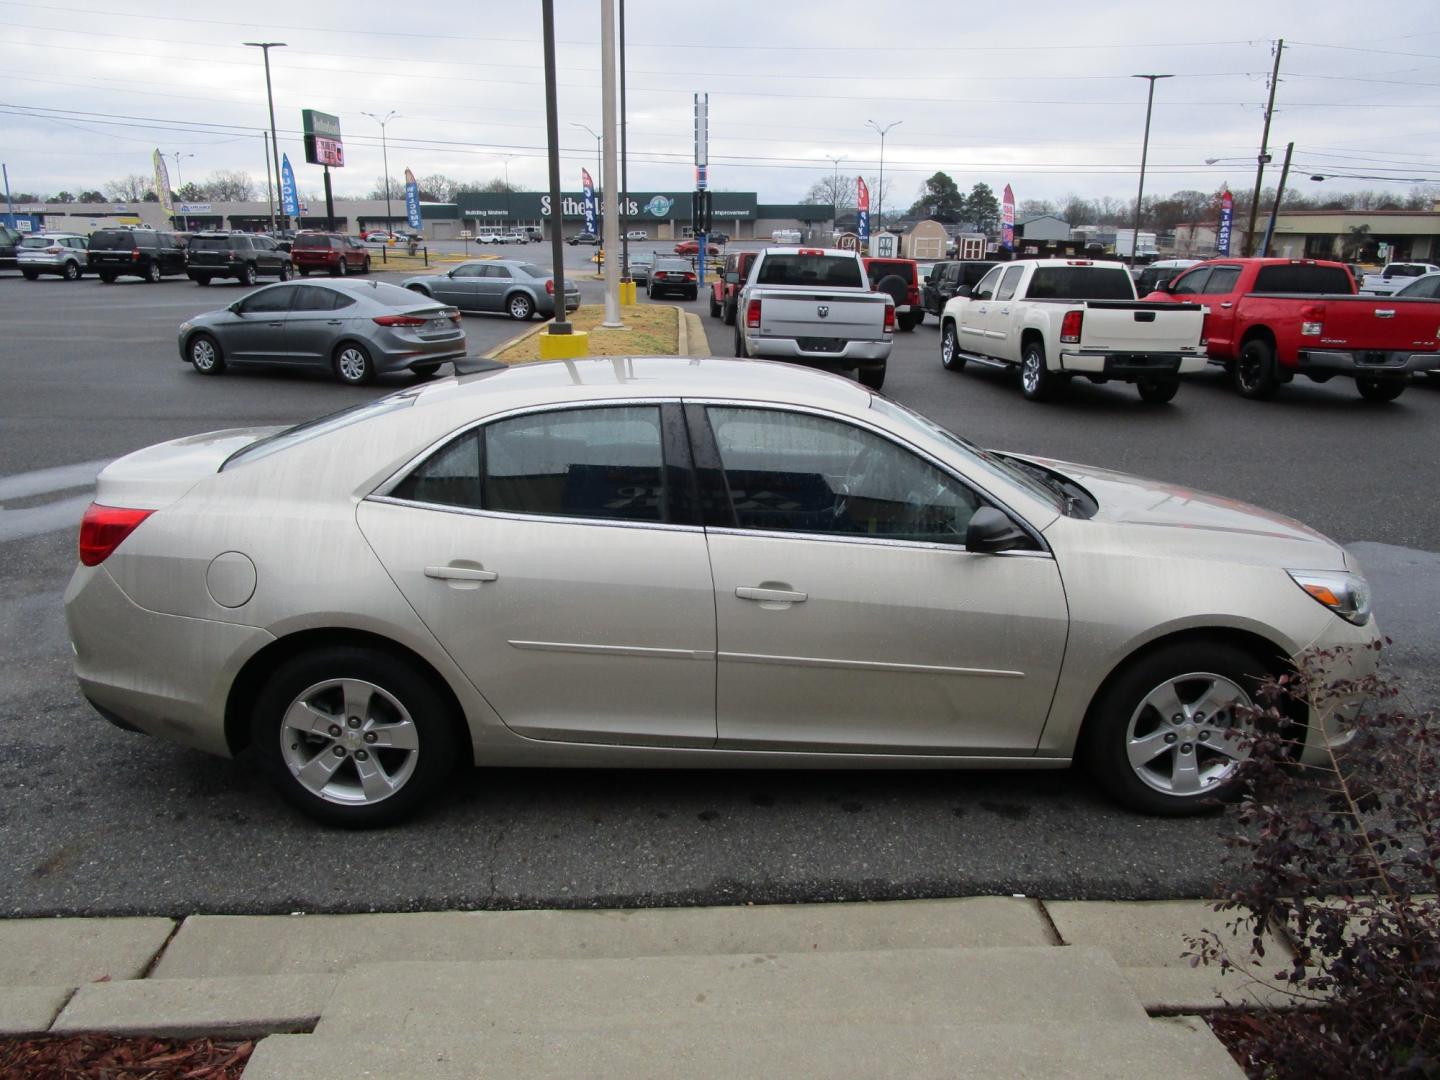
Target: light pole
<point>1144,153</point>
<point>835,186</point>
<point>881,185</point>
<point>266,46</point>
<point>592,131</point>
<point>184,218</point>
<point>385,157</point>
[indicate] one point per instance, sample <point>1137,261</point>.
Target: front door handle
<point>1004,311</point>
<point>1226,304</point>
<point>460,573</point>
<point>774,596</point>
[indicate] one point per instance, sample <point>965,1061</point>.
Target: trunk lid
<point>155,477</point>
<point>1368,323</point>
<point>848,316</point>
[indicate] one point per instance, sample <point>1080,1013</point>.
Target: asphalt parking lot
<point>100,821</point>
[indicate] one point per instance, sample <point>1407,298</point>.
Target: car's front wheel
<point>353,364</point>
<point>247,275</point>
<point>1380,389</point>
<point>874,378</point>
<point>205,354</point>
<point>30,275</point>
<point>152,273</point>
<point>284,271</point>
<point>951,358</point>
<point>1166,735</point>
<point>714,306</point>
<point>342,268</point>
<point>353,736</point>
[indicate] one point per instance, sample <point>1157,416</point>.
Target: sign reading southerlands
<point>323,144</point>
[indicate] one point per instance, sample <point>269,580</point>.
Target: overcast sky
<point>1038,95</point>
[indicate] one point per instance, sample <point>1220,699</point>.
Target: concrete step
<point>961,986</point>
<point>726,1048</point>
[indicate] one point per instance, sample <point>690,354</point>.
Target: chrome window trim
<point>506,515</point>
<point>875,541</point>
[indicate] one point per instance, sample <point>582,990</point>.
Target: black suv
<point>948,280</point>
<point>236,255</point>
<point>142,253</point>
<point>9,241</point>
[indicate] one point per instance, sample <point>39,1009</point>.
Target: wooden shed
<point>925,240</point>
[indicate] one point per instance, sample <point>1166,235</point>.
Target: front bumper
<point>851,354</point>
<point>1382,364</point>
<point>1115,365</point>
<point>1354,657</point>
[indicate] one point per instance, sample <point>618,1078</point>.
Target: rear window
<point>1395,270</point>
<point>1303,279</point>
<point>112,240</point>
<point>36,242</point>
<point>311,242</point>
<point>1081,283</point>
<point>209,243</point>
<point>837,271</point>
<point>672,264</point>
<point>310,429</point>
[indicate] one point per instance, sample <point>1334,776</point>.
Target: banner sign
<point>587,185</point>
<point>412,200</point>
<point>289,197</point>
<point>162,183</point>
<point>1007,219</point>
<point>862,209</point>
<point>1227,213</point>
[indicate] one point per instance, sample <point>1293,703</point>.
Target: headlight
<point>1347,595</point>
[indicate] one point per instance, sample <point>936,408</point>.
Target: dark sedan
<point>673,275</point>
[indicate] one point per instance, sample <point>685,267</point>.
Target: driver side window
<point>1191,284</point>
<point>793,472</point>
<point>987,285</point>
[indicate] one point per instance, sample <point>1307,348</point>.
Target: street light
<point>587,127</point>
<point>385,157</point>
<point>835,183</point>
<point>1144,153</point>
<point>881,185</point>
<point>177,155</point>
<point>266,46</point>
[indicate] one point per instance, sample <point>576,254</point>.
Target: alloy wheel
<point>202,354</point>
<point>1030,372</point>
<point>1184,738</point>
<point>349,741</point>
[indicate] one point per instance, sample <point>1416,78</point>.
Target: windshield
<point>322,425</point>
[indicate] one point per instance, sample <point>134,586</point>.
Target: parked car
<point>378,236</point>
<point>142,253</point>
<point>637,234</point>
<point>519,289</point>
<point>534,234</point>
<point>1268,320</point>
<point>725,287</point>
<point>641,264</point>
<point>356,330</point>
<point>948,280</point>
<point>329,253</point>
<point>786,236</point>
<point>235,255</point>
<point>692,247</point>
<point>671,275</point>
<point>1152,277</point>
<point>52,253</point>
<point>810,576</point>
<point>1426,287</point>
<point>1059,319</point>
<point>898,279</point>
<point>719,238</point>
<point>1394,277</point>
<point>9,241</point>
<point>583,238</point>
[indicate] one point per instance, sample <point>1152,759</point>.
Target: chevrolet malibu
<point>682,563</point>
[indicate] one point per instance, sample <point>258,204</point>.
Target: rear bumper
<point>545,303</point>
<point>1354,363</point>
<point>853,354</point>
<point>1133,365</point>
<point>48,264</point>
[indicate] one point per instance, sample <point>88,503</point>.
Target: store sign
<point>194,208</point>
<point>323,143</point>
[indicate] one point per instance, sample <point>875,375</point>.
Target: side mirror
<point>990,532</point>
<point>234,308</point>
<point>452,272</point>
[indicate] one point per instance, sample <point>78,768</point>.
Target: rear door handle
<point>1226,304</point>
<point>460,573</point>
<point>780,596</point>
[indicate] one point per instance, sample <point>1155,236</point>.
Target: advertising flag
<point>862,209</point>
<point>1007,219</point>
<point>1227,213</point>
<point>412,200</point>
<point>162,182</point>
<point>289,197</point>
<point>588,186</point>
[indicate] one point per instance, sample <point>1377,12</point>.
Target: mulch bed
<point>110,1057</point>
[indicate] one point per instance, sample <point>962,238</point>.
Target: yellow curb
<point>692,330</point>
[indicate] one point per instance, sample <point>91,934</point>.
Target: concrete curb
<point>522,336</point>
<point>681,344</point>
<point>245,1007</point>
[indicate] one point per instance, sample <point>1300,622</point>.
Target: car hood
<point>1156,513</point>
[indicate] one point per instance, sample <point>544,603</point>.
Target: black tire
<point>951,359</point>
<point>714,306</point>
<point>1120,716</point>
<point>352,364</point>
<point>906,323</point>
<point>1380,389</point>
<point>205,355</point>
<point>919,315</point>
<point>727,314</point>
<point>739,342</point>
<point>342,268</point>
<point>425,371</point>
<point>874,378</point>
<point>519,306</point>
<point>285,271</point>
<point>107,279</point>
<point>365,266</point>
<point>693,294</point>
<point>419,289</point>
<point>201,279</point>
<point>400,704</point>
<point>31,275</point>
<point>246,276</point>
<point>72,271</point>
<point>152,273</point>
<point>1157,391</point>
<point>1254,374</point>
<point>1037,382</point>
<point>304,272</point>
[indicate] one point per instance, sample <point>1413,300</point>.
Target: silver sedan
<point>683,562</point>
<point>355,329</point>
<point>509,286</point>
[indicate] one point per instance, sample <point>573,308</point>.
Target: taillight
<point>550,287</point>
<point>135,254</point>
<point>1312,320</point>
<point>400,320</point>
<point>1070,327</point>
<point>53,251</point>
<point>889,318</point>
<point>103,528</point>
<point>690,277</point>
<point>752,315</point>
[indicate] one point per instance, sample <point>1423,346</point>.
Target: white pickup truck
<point>1056,319</point>
<point>814,306</point>
<point>1394,277</point>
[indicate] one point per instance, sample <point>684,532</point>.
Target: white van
<point>786,236</point>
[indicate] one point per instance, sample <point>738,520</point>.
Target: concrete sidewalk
<point>982,986</point>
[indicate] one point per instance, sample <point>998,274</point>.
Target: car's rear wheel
<point>201,279</point>
<point>1165,735</point>
<point>419,289</point>
<point>951,358</point>
<point>353,364</point>
<point>304,272</point>
<point>739,342</point>
<point>714,306</point>
<point>906,322</point>
<point>1253,373</point>
<point>520,307</point>
<point>425,371</point>
<point>365,266</point>
<point>1157,391</point>
<point>247,275</point>
<point>205,354</point>
<point>285,271</point>
<point>107,279</point>
<point>152,273</point>
<point>874,378</point>
<point>1380,389</point>
<point>354,737</point>
<point>31,275</point>
<point>72,271</point>
<point>1037,383</point>
<point>727,316</point>
<point>342,268</point>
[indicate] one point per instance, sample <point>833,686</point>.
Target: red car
<point>900,280</point>
<point>329,253</point>
<point>726,286</point>
<point>692,247</point>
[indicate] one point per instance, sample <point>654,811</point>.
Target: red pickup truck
<point>1268,320</point>
<point>726,285</point>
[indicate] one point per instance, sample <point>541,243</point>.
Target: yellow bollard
<point>627,292</point>
<point>564,346</point>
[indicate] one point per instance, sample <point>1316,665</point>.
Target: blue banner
<point>1222,235</point>
<point>588,186</point>
<point>289,197</point>
<point>412,200</point>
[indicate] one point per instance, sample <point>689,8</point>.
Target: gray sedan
<point>519,289</point>
<point>357,329</point>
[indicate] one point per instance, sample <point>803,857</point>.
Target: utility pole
<point>266,46</point>
<point>1144,153</point>
<point>835,189</point>
<point>269,181</point>
<point>1279,194</point>
<point>385,157</point>
<point>179,183</point>
<point>611,203</point>
<point>9,204</point>
<point>881,185</point>
<point>561,323</point>
<point>1264,155</point>
<point>624,158</point>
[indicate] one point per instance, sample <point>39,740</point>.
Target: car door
<point>258,332</point>
<point>974,314</point>
<point>460,287</point>
<point>850,617</point>
<point>313,324</point>
<point>556,556</point>
<point>1219,295</point>
<point>1001,322</point>
<point>492,286</point>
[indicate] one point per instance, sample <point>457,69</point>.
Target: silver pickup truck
<point>814,306</point>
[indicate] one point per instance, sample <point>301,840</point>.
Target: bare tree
<point>838,191</point>
<point>229,185</point>
<point>440,187</point>
<point>132,188</point>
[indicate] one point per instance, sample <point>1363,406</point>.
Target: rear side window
<point>1081,283</point>
<point>112,240</point>
<point>1010,282</point>
<point>835,271</point>
<point>1222,280</point>
<point>1302,279</point>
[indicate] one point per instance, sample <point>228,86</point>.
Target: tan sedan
<point>671,562</point>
